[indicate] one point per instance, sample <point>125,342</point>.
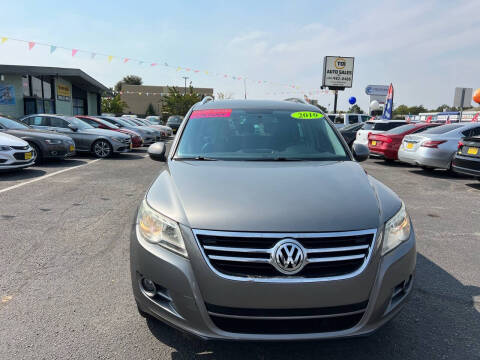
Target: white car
<point>375,127</point>
<point>342,120</point>
<point>15,153</point>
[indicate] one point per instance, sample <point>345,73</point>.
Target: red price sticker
<point>211,113</point>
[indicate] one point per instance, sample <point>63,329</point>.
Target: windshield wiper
<point>278,159</point>
<point>199,158</point>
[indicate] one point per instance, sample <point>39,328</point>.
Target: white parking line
<point>46,176</point>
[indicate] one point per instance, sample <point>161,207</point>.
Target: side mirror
<point>73,128</point>
<point>360,152</point>
<point>157,151</point>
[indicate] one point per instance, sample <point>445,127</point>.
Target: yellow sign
<point>306,115</point>
<point>63,92</point>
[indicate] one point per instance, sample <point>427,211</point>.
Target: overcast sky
<point>425,48</point>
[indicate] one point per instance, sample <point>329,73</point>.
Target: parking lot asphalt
<point>65,283</point>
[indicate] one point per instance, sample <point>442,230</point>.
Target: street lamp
<point>185,88</point>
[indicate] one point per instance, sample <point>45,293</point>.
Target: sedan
<point>467,158</point>
<point>102,124</point>
<point>45,144</point>
<point>15,153</point>
<point>148,135</point>
<point>349,132</point>
<point>385,145</point>
<point>165,131</point>
<point>174,122</point>
<point>101,143</point>
<point>375,127</point>
<point>435,148</point>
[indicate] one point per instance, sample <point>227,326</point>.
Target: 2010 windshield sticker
<point>306,115</point>
<point>211,113</point>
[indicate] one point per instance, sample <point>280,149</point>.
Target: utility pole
<point>335,101</point>
<point>185,89</point>
<point>245,87</point>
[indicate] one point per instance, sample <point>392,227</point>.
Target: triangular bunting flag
<point>3,40</point>
<point>153,64</point>
<point>125,60</point>
<point>74,52</point>
<point>92,55</point>
<point>110,58</point>
<point>31,44</point>
<point>52,48</point>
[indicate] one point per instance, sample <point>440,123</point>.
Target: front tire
<point>102,149</point>
<point>37,153</point>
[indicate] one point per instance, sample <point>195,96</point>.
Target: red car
<point>386,144</point>
<point>102,124</point>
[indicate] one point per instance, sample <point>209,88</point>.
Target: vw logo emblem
<point>288,256</point>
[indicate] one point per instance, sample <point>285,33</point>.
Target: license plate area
<point>472,151</point>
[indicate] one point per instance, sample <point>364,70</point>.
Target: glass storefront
<point>38,95</point>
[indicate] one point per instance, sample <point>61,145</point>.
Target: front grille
<point>20,156</point>
<point>20,147</point>
<point>468,163</point>
<point>286,326</point>
<point>251,255</point>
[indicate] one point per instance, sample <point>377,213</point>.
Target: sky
<point>424,48</point>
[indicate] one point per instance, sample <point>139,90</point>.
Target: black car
<point>349,132</point>
<point>45,144</point>
<point>467,158</point>
<point>174,122</point>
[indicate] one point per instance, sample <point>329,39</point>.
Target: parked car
<point>467,158</point>
<point>385,145</point>
<point>349,132</point>
<point>45,144</point>
<point>15,153</point>
<point>99,142</point>
<point>375,127</point>
<point>102,124</point>
<point>269,235</point>
<point>435,148</point>
<point>140,122</point>
<point>154,120</point>
<point>342,120</point>
<point>165,131</point>
<point>149,136</point>
<point>174,122</point>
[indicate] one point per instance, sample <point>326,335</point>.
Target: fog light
<point>149,287</point>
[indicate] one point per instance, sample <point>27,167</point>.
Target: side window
<point>339,119</point>
<point>57,122</point>
<point>365,117</point>
<point>37,121</point>
<point>473,132</point>
<point>353,119</point>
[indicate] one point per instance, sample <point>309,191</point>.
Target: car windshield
<point>400,129</point>
<point>127,122</point>
<point>175,119</point>
<point>443,129</point>
<point>153,120</point>
<point>106,123</point>
<point>258,135</point>
<point>79,123</point>
<point>12,124</point>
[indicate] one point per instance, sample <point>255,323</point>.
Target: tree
<point>177,103</point>
<point>150,110</point>
<point>401,110</point>
<point>415,110</point>
<point>355,109</point>
<point>224,96</point>
<point>113,105</point>
<point>129,80</point>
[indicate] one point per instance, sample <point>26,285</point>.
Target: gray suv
<point>264,226</point>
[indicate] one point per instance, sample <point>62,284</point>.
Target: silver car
<point>264,227</point>
<point>15,153</point>
<point>101,143</point>
<point>435,148</point>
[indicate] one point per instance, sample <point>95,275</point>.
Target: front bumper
<point>466,165</point>
<point>15,159</point>
<point>188,287</point>
<point>121,147</point>
<point>58,151</point>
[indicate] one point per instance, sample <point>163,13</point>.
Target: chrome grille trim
<point>311,253</point>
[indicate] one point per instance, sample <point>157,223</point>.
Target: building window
<point>26,86</point>
<point>36,87</point>
<point>47,89</point>
<point>78,106</point>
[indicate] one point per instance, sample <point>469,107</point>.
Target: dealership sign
<point>337,72</point>
<point>380,90</point>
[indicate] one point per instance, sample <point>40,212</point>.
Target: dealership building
<point>28,90</point>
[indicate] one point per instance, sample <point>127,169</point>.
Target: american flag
<point>387,111</point>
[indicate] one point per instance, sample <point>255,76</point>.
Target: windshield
<point>174,119</point>
<point>153,119</point>
<point>79,123</point>
<point>400,129</point>
<point>443,129</point>
<point>259,135</point>
<point>12,124</point>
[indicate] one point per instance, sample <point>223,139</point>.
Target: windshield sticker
<point>306,115</point>
<point>211,113</point>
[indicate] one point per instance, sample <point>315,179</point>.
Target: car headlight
<point>397,230</point>
<point>53,141</point>
<point>5,148</point>
<point>158,229</point>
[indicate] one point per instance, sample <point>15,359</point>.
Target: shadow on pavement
<point>440,174</point>
<point>60,163</point>
<point>475,186</point>
<point>21,174</point>
<point>438,321</point>
<point>398,164</point>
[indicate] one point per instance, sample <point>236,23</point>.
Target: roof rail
<point>206,99</point>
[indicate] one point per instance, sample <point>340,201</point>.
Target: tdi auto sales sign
<point>338,71</point>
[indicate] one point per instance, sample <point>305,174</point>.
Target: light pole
<point>185,78</point>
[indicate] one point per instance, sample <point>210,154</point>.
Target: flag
<point>387,111</point>
<point>31,44</point>
<point>110,58</point>
<point>448,120</point>
<point>475,117</point>
<point>429,119</point>
<point>153,64</point>
<point>74,52</point>
<point>4,40</point>
<point>92,55</point>
<point>408,119</point>
<point>52,48</point>
<point>125,60</point>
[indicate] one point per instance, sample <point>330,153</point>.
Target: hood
<point>10,140</point>
<point>267,196</point>
<point>103,132</point>
<point>40,134</point>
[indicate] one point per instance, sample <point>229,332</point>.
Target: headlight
<point>397,230</point>
<point>158,229</point>
<point>5,148</point>
<point>53,141</point>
